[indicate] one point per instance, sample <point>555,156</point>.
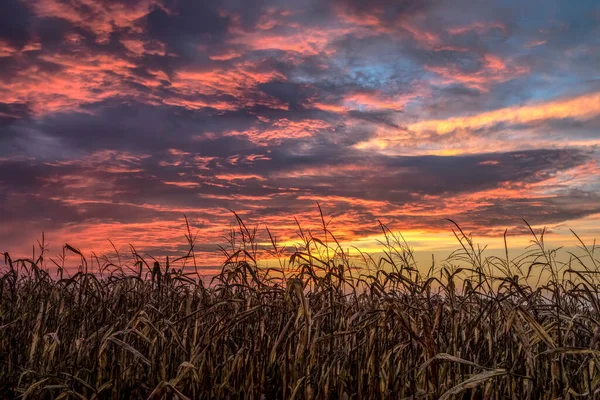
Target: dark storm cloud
<point>397,179</point>
<point>52,31</point>
<point>15,22</point>
<point>292,94</point>
<point>378,117</point>
<point>12,112</point>
<point>184,24</point>
<point>472,173</point>
<point>545,212</point>
<point>134,127</point>
<point>389,10</point>
<point>22,176</point>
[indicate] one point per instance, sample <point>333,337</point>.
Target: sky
<point>117,117</point>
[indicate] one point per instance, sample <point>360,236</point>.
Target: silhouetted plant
<point>318,326</point>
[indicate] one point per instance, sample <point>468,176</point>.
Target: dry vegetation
<point>470,327</point>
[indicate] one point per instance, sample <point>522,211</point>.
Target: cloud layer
<point>118,116</point>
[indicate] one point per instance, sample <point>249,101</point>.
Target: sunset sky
<point>119,116</point>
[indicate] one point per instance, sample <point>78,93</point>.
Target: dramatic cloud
<point>119,116</point>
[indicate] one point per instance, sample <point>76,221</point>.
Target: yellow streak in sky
<point>581,107</point>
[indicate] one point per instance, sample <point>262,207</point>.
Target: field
<point>319,327</point>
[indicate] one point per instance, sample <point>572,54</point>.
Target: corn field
<point>322,325</point>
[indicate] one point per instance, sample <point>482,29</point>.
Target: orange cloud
<point>239,177</point>
<point>235,81</point>
<point>373,24</point>
<point>330,107</point>
<point>96,16</point>
<point>82,79</point>
<point>378,101</point>
<point>328,200</point>
<point>303,42</point>
<point>479,27</point>
<point>330,170</point>
<point>183,184</point>
<point>283,129</point>
<point>495,70</point>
